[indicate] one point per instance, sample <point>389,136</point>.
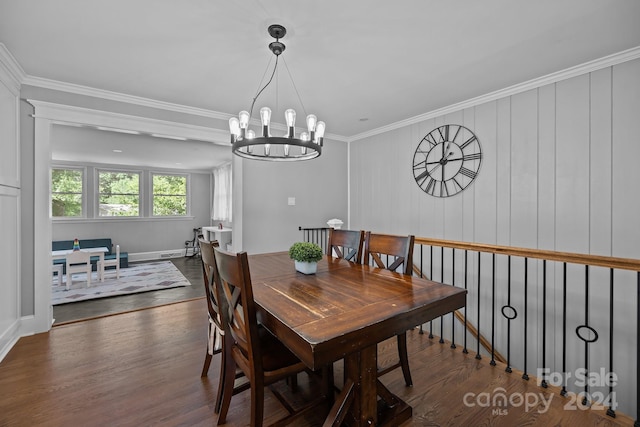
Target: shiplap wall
<point>559,172</point>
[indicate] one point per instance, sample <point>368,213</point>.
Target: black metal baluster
<point>441,280</point>
<point>453,283</point>
<point>493,311</point>
<point>563,392</point>
<point>421,332</point>
<point>464,350</point>
<point>610,410</point>
<point>509,316</point>
<point>525,376</point>
<point>431,277</point>
<point>478,327</point>
<point>544,323</point>
<point>585,401</point>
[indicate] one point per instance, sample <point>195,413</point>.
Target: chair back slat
<point>398,247</point>
<point>346,244</point>
<point>211,292</point>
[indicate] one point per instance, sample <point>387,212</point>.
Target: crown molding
<point>587,67</point>
<point>11,73</point>
<point>71,115</point>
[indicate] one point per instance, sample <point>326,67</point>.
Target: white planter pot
<point>306,267</point>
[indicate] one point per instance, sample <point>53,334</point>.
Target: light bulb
<point>234,126</point>
<point>267,147</point>
<point>290,117</point>
<point>311,122</point>
<point>286,150</point>
<point>305,137</point>
<point>265,116</point>
<point>251,134</point>
<point>244,119</point>
<point>320,130</point>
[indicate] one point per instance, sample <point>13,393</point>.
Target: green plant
<point>305,252</point>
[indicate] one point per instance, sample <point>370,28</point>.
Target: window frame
<point>97,193</point>
<point>152,194</point>
<point>83,193</point>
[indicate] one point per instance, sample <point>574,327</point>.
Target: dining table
<point>342,312</point>
<point>98,251</point>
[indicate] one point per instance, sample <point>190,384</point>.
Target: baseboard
<point>9,338</point>
<point>156,255</point>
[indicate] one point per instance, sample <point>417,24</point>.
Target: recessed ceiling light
<point>117,151</point>
<point>179,138</point>
<point>133,132</point>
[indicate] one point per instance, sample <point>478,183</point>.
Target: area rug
<point>137,278</point>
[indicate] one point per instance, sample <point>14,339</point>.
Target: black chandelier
<point>244,141</point>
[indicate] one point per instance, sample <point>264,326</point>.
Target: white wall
<point>268,222</point>
<point>10,199</point>
<point>560,172</point>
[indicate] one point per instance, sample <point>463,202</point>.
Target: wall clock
<point>447,160</point>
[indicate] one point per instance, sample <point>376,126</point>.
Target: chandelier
<point>246,143</point>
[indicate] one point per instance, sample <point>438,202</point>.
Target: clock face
<point>447,160</point>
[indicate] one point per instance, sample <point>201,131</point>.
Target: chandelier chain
<point>294,86</point>
<point>275,67</point>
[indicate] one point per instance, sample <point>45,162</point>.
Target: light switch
<point>292,201</point>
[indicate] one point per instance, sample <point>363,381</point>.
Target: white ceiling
<point>358,65</point>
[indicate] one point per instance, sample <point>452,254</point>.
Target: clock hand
<point>440,162</point>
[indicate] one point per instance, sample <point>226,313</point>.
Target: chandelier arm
<point>275,67</point>
<point>295,87</point>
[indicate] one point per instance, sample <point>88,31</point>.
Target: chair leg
<point>207,363</point>
<point>404,358</point>
<point>257,403</point>
<point>221,382</point>
<point>227,390</point>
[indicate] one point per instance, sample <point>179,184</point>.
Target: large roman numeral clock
<point>447,160</point>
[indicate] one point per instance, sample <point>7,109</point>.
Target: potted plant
<point>306,256</point>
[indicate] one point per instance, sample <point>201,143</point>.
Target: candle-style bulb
<point>244,119</point>
<point>311,122</point>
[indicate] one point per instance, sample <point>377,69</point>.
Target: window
<point>169,195</point>
<point>66,192</point>
<point>222,194</point>
<point>119,193</point>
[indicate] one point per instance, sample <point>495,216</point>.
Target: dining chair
<point>216,341</point>
<point>263,358</point>
<point>392,253</point>
<point>78,262</point>
<point>346,244</point>
<point>56,269</point>
<point>110,263</point>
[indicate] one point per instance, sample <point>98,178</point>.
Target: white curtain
<point>222,194</point>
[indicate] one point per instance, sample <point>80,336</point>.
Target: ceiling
<point>359,65</point>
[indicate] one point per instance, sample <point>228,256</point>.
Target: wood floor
<point>143,368</point>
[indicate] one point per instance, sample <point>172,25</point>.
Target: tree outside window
<point>66,192</point>
<point>119,193</point>
<point>169,195</point>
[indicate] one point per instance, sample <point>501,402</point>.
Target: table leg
<point>360,396</point>
<point>101,269</point>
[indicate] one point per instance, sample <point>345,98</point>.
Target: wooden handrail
<point>568,257</point>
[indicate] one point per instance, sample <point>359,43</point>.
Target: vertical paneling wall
<point>9,211</point>
<point>559,172</point>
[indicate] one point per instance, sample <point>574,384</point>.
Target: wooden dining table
<point>342,312</point>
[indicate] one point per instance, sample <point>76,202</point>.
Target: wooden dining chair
<point>392,253</point>
<point>215,336</point>
<point>78,262</point>
<point>263,358</point>
<point>346,244</point>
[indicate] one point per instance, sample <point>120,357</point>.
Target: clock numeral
<point>445,137</point>
<point>430,187</point>
<point>468,141</point>
<point>474,156</point>
<point>456,184</point>
<point>443,188</point>
<point>431,140</point>
<point>422,177</point>
<point>467,172</point>
<point>456,135</point>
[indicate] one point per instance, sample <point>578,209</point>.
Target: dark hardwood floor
<point>142,368</point>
